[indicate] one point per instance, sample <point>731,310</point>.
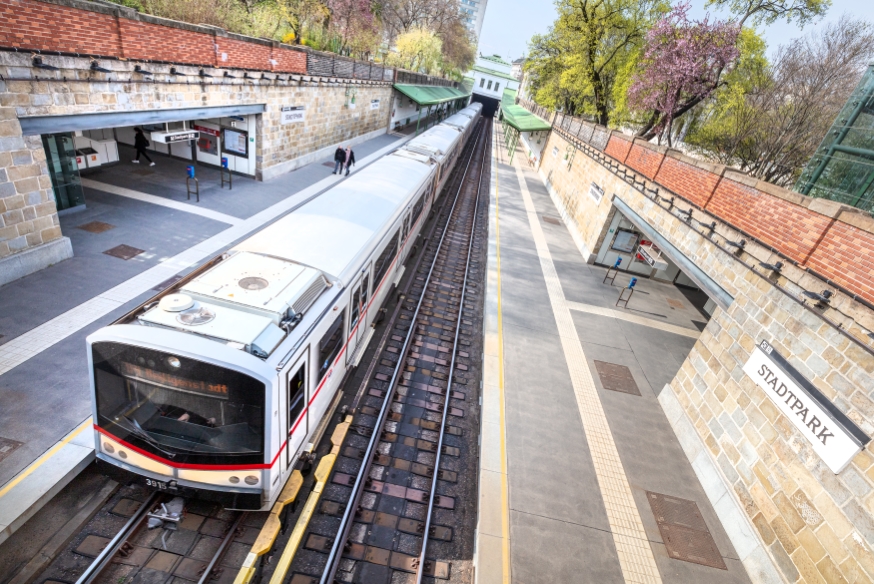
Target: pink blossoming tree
<point>682,64</point>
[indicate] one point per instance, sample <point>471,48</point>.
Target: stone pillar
<point>30,234</point>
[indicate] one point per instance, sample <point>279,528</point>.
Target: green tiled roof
<point>495,73</point>
<point>519,117</point>
<point>496,59</point>
<point>431,94</point>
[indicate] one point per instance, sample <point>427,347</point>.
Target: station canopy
<point>431,94</point>
<point>519,117</point>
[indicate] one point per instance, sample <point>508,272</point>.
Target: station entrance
<point>86,145</point>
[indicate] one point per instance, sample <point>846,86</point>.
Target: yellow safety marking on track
<point>323,471</point>
<point>505,492</point>
<point>629,536</point>
<point>44,458</point>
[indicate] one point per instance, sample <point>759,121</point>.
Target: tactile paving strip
<point>684,531</point>
<point>616,377</point>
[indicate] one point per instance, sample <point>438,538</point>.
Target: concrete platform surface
<point>566,463</point>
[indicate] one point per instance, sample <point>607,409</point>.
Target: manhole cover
<point>166,283</point>
<point>616,377</point>
<point>124,252</point>
<point>551,219</point>
<point>7,447</point>
<point>674,303</point>
<point>96,227</point>
<point>684,531</point>
<point>91,546</point>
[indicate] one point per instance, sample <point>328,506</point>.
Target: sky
<point>509,24</point>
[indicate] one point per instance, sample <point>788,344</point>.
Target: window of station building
<point>385,259</point>
<point>497,85</point>
<point>490,85</point>
<point>482,81</point>
<point>330,345</point>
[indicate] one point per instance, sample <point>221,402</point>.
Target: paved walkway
<point>567,465</point>
<point>45,317</point>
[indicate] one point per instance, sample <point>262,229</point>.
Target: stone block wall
<point>808,523</point>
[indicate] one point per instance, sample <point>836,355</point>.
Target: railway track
<point>389,504</point>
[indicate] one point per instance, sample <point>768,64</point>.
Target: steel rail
<point>102,561</point>
<point>229,537</point>
<point>332,563</point>
<point>420,572</point>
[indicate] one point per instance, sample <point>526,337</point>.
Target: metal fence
<point>410,78</point>
<point>331,65</point>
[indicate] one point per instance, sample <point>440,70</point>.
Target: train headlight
<point>108,447</point>
<point>174,362</point>
<point>122,453</point>
<point>234,480</point>
<point>251,480</point>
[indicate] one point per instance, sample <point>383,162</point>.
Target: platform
<point>569,469</point>
<point>45,317</point>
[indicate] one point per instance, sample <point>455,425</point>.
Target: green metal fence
<point>842,169</point>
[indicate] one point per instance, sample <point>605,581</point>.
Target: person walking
<point>350,159</point>
<point>141,143</point>
<point>339,160</point>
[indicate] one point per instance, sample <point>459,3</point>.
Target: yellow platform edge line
<point>44,458</point>
<point>505,494</point>
<point>323,472</point>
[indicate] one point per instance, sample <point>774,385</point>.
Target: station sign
<point>374,104</point>
<point>205,130</point>
<point>292,114</point>
<point>174,137</point>
<point>833,436</point>
<point>597,193</point>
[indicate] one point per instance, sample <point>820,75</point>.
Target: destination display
<point>833,436</point>
<point>174,382</point>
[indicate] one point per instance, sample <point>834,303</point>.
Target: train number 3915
<point>156,484</point>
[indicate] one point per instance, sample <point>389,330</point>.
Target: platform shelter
<point>520,124</point>
<point>413,99</point>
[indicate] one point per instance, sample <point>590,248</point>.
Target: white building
<point>491,76</point>
<point>473,12</point>
<point>516,70</point>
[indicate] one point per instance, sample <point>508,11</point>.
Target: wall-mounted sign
<point>374,104</point>
<point>205,130</point>
<point>292,114</point>
<point>173,137</point>
<point>833,436</point>
<point>625,241</point>
<point>235,142</point>
<point>596,192</point>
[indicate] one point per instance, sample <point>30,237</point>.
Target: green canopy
<point>519,117</point>
<point>431,94</point>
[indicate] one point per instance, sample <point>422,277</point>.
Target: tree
<point>419,49</point>
<point>681,65</point>
<point>576,64</point>
<point>770,121</point>
<point>354,24</point>
<point>769,11</point>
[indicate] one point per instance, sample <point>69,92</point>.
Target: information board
<point>235,142</point>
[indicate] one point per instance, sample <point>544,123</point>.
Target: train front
<point>180,421</point>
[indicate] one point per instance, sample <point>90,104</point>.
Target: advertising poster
<point>235,142</point>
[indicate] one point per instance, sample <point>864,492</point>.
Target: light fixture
<point>738,244</point>
<point>712,227</point>
<point>773,267</point>
<point>95,66</point>
<point>174,71</point>
<point>227,74</point>
<point>141,71</point>
<point>203,73</point>
<point>264,76</point>
<point>174,362</point>
<point>871,335</point>
<point>246,76</point>
<point>39,64</point>
<point>822,299</point>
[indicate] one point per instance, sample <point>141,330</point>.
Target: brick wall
<point>618,147</point>
<point>687,180</point>
<point>645,159</point>
<point>762,476</point>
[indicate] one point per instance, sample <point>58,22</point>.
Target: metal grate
<point>616,377</point>
<point>124,252</point>
<point>96,227</point>
<point>7,447</point>
<point>551,219</point>
<point>684,531</point>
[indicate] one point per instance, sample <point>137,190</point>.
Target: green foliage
<point>769,11</point>
<point>418,50</point>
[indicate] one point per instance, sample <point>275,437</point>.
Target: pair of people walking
<point>343,158</point>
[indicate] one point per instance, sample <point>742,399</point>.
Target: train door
<point>296,415</point>
<point>358,315</point>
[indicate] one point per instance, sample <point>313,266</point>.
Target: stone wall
<point>791,519</point>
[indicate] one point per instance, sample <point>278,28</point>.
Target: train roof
<point>437,141</point>
<point>458,120</point>
<point>330,231</point>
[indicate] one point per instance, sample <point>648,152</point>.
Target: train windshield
<point>177,408</point>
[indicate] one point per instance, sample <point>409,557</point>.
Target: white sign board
<point>374,104</point>
<point>831,439</point>
<point>292,115</point>
<point>596,192</point>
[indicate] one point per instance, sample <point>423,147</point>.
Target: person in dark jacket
<point>339,160</point>
<point>350,159</point>
<point>141,143</point>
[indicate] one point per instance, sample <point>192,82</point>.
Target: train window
<point>330,345</point>
<point>420,204</point>
<point>407,224</point>
<point>385,259</point>
<point>296,396</point>
<point>356,308</point>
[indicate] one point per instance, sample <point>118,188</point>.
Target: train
<point>215,387</point>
